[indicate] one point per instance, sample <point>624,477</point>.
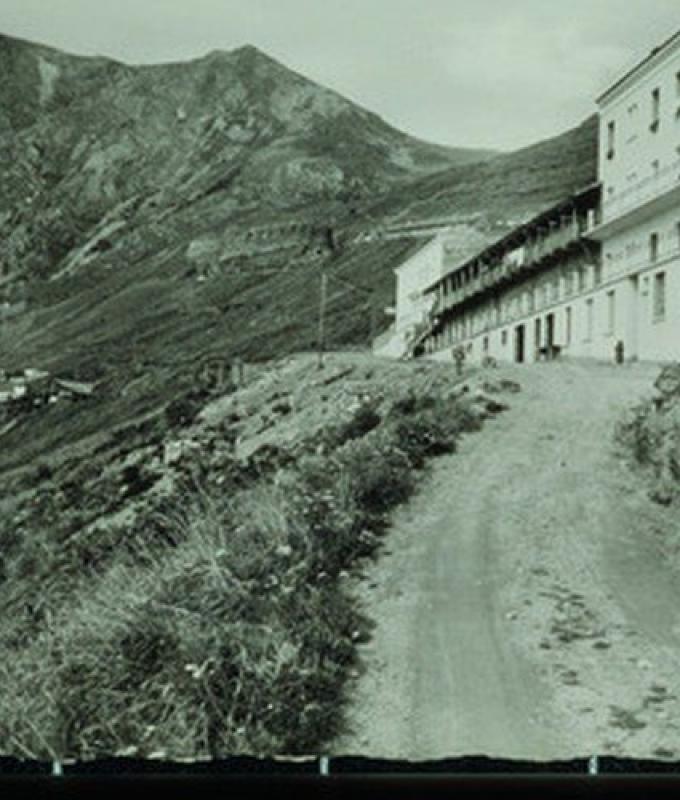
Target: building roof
<point>77,387</point>
<point>654,55</point>
<point>517,235</point>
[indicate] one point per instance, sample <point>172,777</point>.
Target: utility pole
<point>322,314</point>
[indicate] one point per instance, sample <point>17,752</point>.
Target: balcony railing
<point>642,192</point>
<point>553,242</point>
<point>534,254</point>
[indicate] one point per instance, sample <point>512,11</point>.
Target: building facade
<point>528,296</point>
<point>425,265</point>
<point>597,275</point>
<point>639,168</point>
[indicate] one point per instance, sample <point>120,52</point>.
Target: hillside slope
<point>509,188</point>
<point>79,136</point>
<point>151,217</point>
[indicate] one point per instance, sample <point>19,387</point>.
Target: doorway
<point>632,343</point>
<point>550,335</point>
<point>537,339</point>
<point>520,344</point>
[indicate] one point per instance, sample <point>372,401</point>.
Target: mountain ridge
<point>152,217</point>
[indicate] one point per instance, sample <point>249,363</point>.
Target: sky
<point>497,74</point>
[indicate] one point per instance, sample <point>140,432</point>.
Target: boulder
<point>177,451</point>
<point>509,386</point>
<point>668,382</point>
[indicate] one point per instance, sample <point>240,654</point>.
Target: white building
<point>430,259</point>
<point>595,274</point>
<point>527,296</point>
<point>639,170</point>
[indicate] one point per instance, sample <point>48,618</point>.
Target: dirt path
<point>525,607</point>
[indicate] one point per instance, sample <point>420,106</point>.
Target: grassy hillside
<point>180,589</point>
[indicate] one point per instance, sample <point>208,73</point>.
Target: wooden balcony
<point>536,255</point>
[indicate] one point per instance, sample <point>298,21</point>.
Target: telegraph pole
<point>322,314</point>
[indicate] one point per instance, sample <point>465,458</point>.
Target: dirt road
<point>527,604</point>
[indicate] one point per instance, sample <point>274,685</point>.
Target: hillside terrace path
<point>526,604</point>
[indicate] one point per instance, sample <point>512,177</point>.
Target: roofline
<point>656,51</point>
<point>518,231</point>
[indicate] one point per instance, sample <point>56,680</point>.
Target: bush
<point>378,473</point>
<point>222,646</point>
<point>182,410</point>
<point>651,437</point>
<point>43,473</point>
<point>429,434</point>
<point>365,419</point>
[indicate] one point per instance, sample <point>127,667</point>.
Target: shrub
<point>428,434</point>
<point>43,473</point>
<point>222,646</point>
<point>378,473</point>
<point>365,419</point>
<point>651,437</point>
<point>411,402</point>
<point>182,410</point>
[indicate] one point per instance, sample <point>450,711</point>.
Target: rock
<point>663,494</point>
<point>509,386</point>
<point>668,382</point>
<point>175,452</point>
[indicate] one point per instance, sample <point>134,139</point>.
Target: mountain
<point>152,217</point>
<point>511,187</point>
<point>79,136</point>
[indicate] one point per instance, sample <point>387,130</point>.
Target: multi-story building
<point>596,274</point>
<point>526,296</point>
<point>639,168</point>
<point>427,261</point>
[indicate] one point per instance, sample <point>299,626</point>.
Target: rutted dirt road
<point>527,605</point>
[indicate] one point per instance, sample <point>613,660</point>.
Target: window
<point>568,282</point>
<point>654,248</point>
<point>504,338</point>
<point>655,168</point>
<point>656,110</point>
<point>611,312</point>
<point>659,300</point>
<point>581,279</point>
<point>597,274</point>
<point>589,320</point>
<point>611,140</point>
<point>677,84</point>
<point>568,325</point>
<point>556,290</point>
<point>486,344</point>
